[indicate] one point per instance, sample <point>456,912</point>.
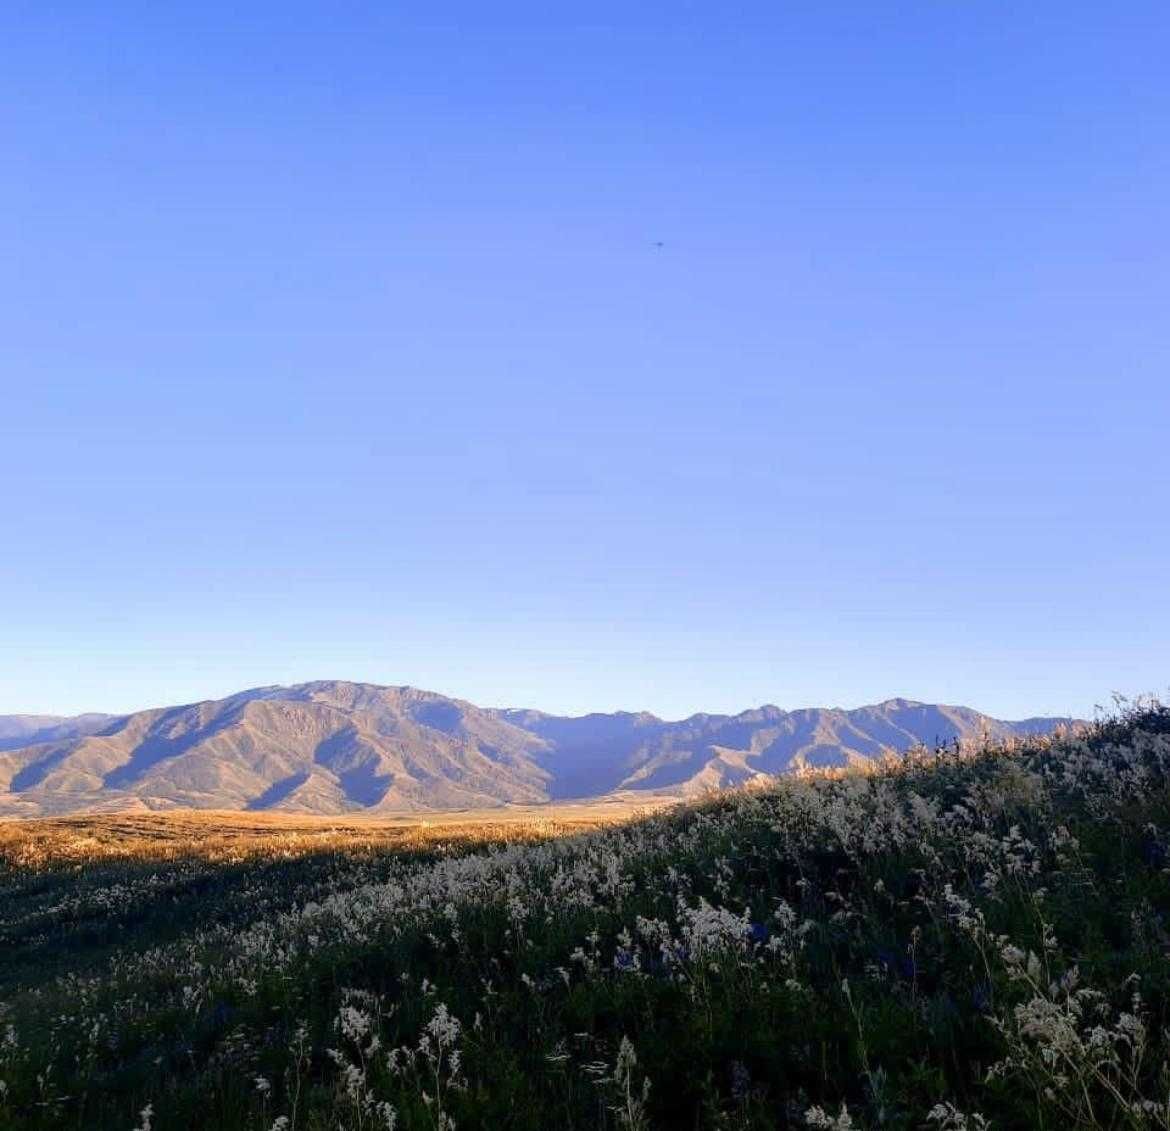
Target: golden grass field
<point>216,834</point>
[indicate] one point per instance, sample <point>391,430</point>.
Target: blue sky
<point>335,341</point>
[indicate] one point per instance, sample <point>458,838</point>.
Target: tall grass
<point>963,939</point>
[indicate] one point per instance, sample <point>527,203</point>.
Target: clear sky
<point>681,357</point>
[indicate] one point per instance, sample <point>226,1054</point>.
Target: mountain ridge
<point>336,746</point>
<point>28,730</point>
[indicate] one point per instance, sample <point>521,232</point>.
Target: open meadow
<point>960,939</point>
<point>230,835</point>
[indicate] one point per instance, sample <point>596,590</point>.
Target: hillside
<point>32,730</point>
<point>337,747</point>
<point>958,942</point>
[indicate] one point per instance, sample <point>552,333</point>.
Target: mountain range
<point>338,747</point>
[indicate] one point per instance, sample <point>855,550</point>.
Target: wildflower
<point>950,1118</point>
<point>818,1117</point>
<point>627,1100</point>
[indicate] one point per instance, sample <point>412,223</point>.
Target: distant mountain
<point>28,730</point>
<point>336,747</point>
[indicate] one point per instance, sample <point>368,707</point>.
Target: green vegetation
<point>955,941</point>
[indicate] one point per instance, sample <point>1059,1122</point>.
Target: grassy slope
<point>962,930</point>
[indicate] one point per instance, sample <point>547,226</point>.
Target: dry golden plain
<point>216,834</point>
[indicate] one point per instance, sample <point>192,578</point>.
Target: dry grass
<point>224,835</point>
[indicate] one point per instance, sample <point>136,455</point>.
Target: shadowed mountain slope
<point>335,747</point>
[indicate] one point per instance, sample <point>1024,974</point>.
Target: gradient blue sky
<point>334,342</point>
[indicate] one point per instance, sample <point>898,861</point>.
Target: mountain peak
<point>333,746</point>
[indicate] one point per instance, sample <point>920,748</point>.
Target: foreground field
<point>959,941</point>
